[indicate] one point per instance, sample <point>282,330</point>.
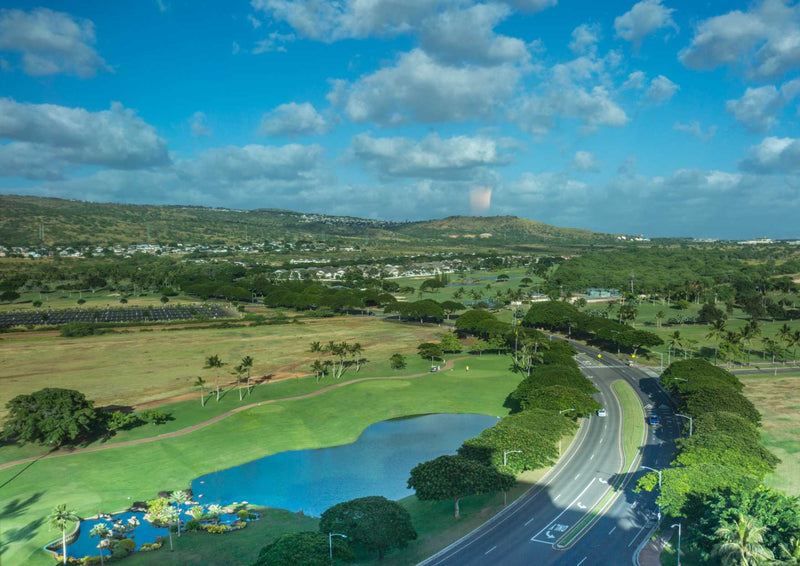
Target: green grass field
<point>473,280</point>
<point>633,421</point>
<point>110,480</point>
<point>778,399</point>
<point>101,298</point>
<point>130,367</point>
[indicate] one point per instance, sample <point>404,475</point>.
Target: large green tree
<point>50,416</point>
<point>374,523</point>
<point>456,477</point>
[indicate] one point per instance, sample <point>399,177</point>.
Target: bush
<point>154,416</point>
<point>77,329</point>
<point>122,548</point>
<point>243,514</point>
<point>217,529</point>
<point>192,525</point>
<point>150,546</point>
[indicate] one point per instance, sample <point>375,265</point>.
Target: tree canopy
<point>50,416</point>
<point>302,549</point>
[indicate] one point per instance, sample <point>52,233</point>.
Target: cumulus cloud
<point>433,157</point>
<point>198,124</point>
<point>758,108</point>
<point>661,90</point>
<point>585,162</point>
<point>273,42</point>
<point>765,41</point>
<point>50,42</point>
<point>531,6</point>
<point>417,87</point>
<point>115,138</point>
<point>467,35</point>
<point>693,128</point>
<point>643,19</point>
<point>773,155</point>
<point>585,38</point>
<point>636,80</point>
<point>594,107</point>
<point>293,119</point>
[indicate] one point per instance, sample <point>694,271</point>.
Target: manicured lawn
<point>778,399</point>
<point>110,480</point>
<point>633,420</point>
<point>132,367</point>
<point>474,280</point>
<point>102,298</point>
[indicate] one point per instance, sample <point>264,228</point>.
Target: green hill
<point>31,221</point>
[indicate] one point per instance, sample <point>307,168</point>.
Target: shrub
<point>243,514</point>
<point>192,525</point>
<point>122,548</point>
<point>217,529</point>
<point>150,546</point>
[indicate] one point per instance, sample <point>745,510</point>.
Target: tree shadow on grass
<point>24,533</point>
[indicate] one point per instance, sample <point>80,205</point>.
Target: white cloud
<point>643,19</point>
<point>773,155</point>
<point>467,35</point>
<point>585,38</point>
<point>593,108</point>
<point>661,90</point>
<point>635,80</point>
<point>765,41</point>
<point>293,119</point>
<point>50,42</point>
<point>162,5</point>
<point>419,88</point>
<point>274,42</point>
<point>235,48</point>
<point>531,6</point>
<point>758,108</point>
<point>255,22</point>
<point>453,158</point>
<point>693,128</point>
<point>198,124</point>
<point>73,136</point>
<point>585,162</point>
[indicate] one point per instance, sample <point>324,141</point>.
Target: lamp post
<point>659,488</point>
<point>330,543</point>
<point>691,420</point>
<point>506,453</point>
<point>679,541</point>
<point>662,360</point>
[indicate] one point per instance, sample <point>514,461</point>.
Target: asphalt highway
<point>534,529</point>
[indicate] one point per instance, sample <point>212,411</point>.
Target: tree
<point>50,416</point>
<point>319,369</point>
<point>456,477</point>
<point>9,296</point>
<point>214,362</point>
<point>101,531</point>
<point>741,543</point>
<point>430,350</point>
<point>303,549</point>
<point>375,523</point>
<point>450,344</point>
<point>450,307</point>
<point>179,498</point>
<point>60,518</point>
<point>243,368</point>
<point>201,383</point>
<point>479,346</point>
<point>716,331</point>
<point>397,361</point>
<point>659,317</point>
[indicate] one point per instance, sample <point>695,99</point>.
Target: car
<point>653,420</point>
<point>601,412</point>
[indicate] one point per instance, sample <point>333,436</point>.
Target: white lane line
<point>612,530</point>
<point>567,508</point>
<point>556,497</point>
<point>488,551</point>
<point>582,561</point>
<point>528,522</point>
<point>591,457</point>
<point>576,477</point>
<point>636,536</point>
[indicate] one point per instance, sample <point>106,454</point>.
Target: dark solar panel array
<point>43,317</point>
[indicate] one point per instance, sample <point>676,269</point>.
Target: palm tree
<point>675,342</point>
<point>659,317</point>
<point>791,550</point>
<point>60,518</point>
<point>102,531</point>
<point>216,363</point>
<point>748,332</point>
<point>319,369</point>
<point>354,350</point>
<point>201,383</point>
<point>179,498</point>
<point>247,363</point>
<point>741,543</point>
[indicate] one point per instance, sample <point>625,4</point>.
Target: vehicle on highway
<point>601,412</point>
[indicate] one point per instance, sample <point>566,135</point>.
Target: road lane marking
<point>591,457</point>
<point>528,522</point>
<point>582,561</point>
<point>576,477</point>
<point>488,551</point>
<point>637,535</point>
<point>553,525</point>
<point>612,530</point>
<point>556,497</point>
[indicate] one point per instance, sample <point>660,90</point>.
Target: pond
<point>378,463</point>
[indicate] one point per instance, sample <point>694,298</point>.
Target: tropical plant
<point>60,518</point>
<point>214,362</point>
<point>103,532</point>
<point>179,498</point>
<point>741,543</point>
<point>201,383</point>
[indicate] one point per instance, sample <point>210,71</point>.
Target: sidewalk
<point>651,553</point>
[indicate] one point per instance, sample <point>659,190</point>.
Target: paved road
<point>528,532</point>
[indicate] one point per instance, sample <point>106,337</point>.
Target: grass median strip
<point>632,438</point>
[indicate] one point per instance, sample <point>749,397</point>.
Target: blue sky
<point>662,117</point>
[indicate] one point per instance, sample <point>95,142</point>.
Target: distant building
<point>600,293</point>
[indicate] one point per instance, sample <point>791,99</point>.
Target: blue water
<point>378,463</point>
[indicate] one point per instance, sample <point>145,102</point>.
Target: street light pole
<point>659,488</point>
<point>330,543</point>
<point>679,541</point>
<point>691,420</point>
<point>505,462</point>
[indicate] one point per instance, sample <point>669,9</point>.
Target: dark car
<point>653,419</point>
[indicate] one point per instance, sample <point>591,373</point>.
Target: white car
<point>601,413</point>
